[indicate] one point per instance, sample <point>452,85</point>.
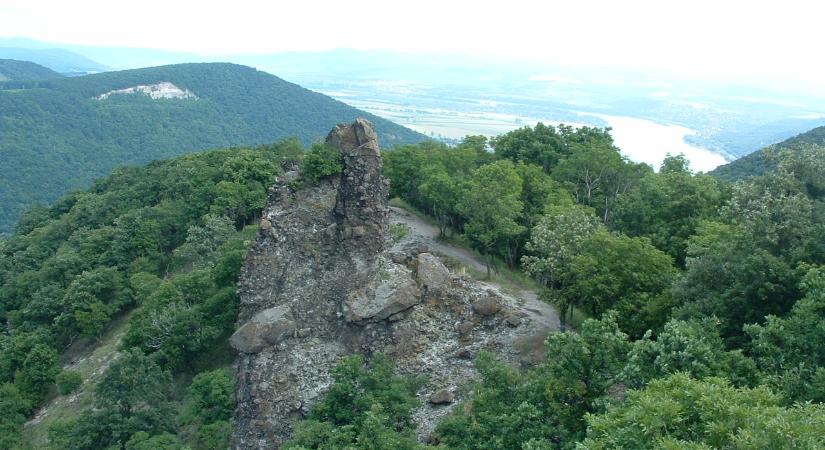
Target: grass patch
<point>91,365</point>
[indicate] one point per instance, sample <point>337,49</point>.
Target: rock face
<point>322,282</point>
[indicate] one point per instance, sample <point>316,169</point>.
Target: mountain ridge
<point>59,136</point>
<point>14,70</point>
<point>764,160</point>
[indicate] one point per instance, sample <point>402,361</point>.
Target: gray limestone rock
<point>442,397</point>
<point>268,327</point>
<point>487,306</point>
<point>430,273</point>
<point>390,291</point>
<point>319,284</point>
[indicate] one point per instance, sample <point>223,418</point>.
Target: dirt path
<point>538,310</point>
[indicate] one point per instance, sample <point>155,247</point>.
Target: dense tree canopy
<point>702,301</point>
<point>158,240</point>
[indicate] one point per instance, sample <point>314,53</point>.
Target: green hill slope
<point>58,135</point>
<point>12,69</point>
<point>763,161</point>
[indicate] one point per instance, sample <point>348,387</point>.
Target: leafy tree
<point>694,348</point>
<point>365,408</point>
<point>13,410</point>
<point>789,348</point>
<point>705,414</point>
<point>492,203</point>
<point>546,145</point>
<point>91,299</point>
<point>142,441</point>
<point>238,201</point>
<point>213,436</point>
<point>132,397</point>
<point>210,396</point>
<point>619,272</point>
<point>542,407</point>
<point>93,319</point>
<point>730,278</point>
<point>441,192</point>
<point>668,207</point>
<point>132,382</point>
<point>554,242</point>
<point>202,246</point>
<point>37,373</point>
<point>596,175</point>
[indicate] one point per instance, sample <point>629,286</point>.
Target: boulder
<point>391,291</point>
<point>268,327</point>
<point>487,306</point>
<point>442,397</point>
<point>431,274</point>
<point>465,327</point>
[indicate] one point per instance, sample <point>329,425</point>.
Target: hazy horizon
<point>772,46</point>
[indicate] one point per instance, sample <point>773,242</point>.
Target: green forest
<point>12,69</point>
<point>767,159</point>
<point>55,136</point>
<point>694,308</point>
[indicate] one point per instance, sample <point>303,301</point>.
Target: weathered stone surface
<point>361,210</point>
<point>487,306</point>
<point>431,273</point>
<point>390,291</point>
<point>513,320</point>
<point>465,327</point>
<point>319,283</point>
<point>268,327</point>
<point>442,397</point>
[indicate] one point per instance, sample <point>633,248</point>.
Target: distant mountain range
<point>763,161</point>
<point>57,59</point>
<point>449,96</point>
<point>12,69</point>
<point>61,134</point>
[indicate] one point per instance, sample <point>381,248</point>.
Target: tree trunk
<point>562,321</point>
<point>488,268</point>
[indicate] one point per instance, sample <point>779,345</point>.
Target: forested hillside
<point>166,241</point>
<point>11,69</point>
<point>705,301</point>
<point>58,135</point>
<point>766,160</point>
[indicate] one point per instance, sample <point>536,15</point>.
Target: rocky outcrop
<point>268,327</point>
<point>322,281</point>
<point>431,274</point>
<point>387,294</point>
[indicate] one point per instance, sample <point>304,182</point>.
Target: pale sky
<point>752,41</point>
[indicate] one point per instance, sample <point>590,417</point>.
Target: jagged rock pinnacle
<point>319,284</point>
<point>361,204</point>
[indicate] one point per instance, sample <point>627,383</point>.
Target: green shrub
<point>68,381</point>
<point>214,436</point>
<point>322,161</point>
<point>399,231</point>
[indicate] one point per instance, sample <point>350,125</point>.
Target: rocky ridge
<point>323,281</point>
